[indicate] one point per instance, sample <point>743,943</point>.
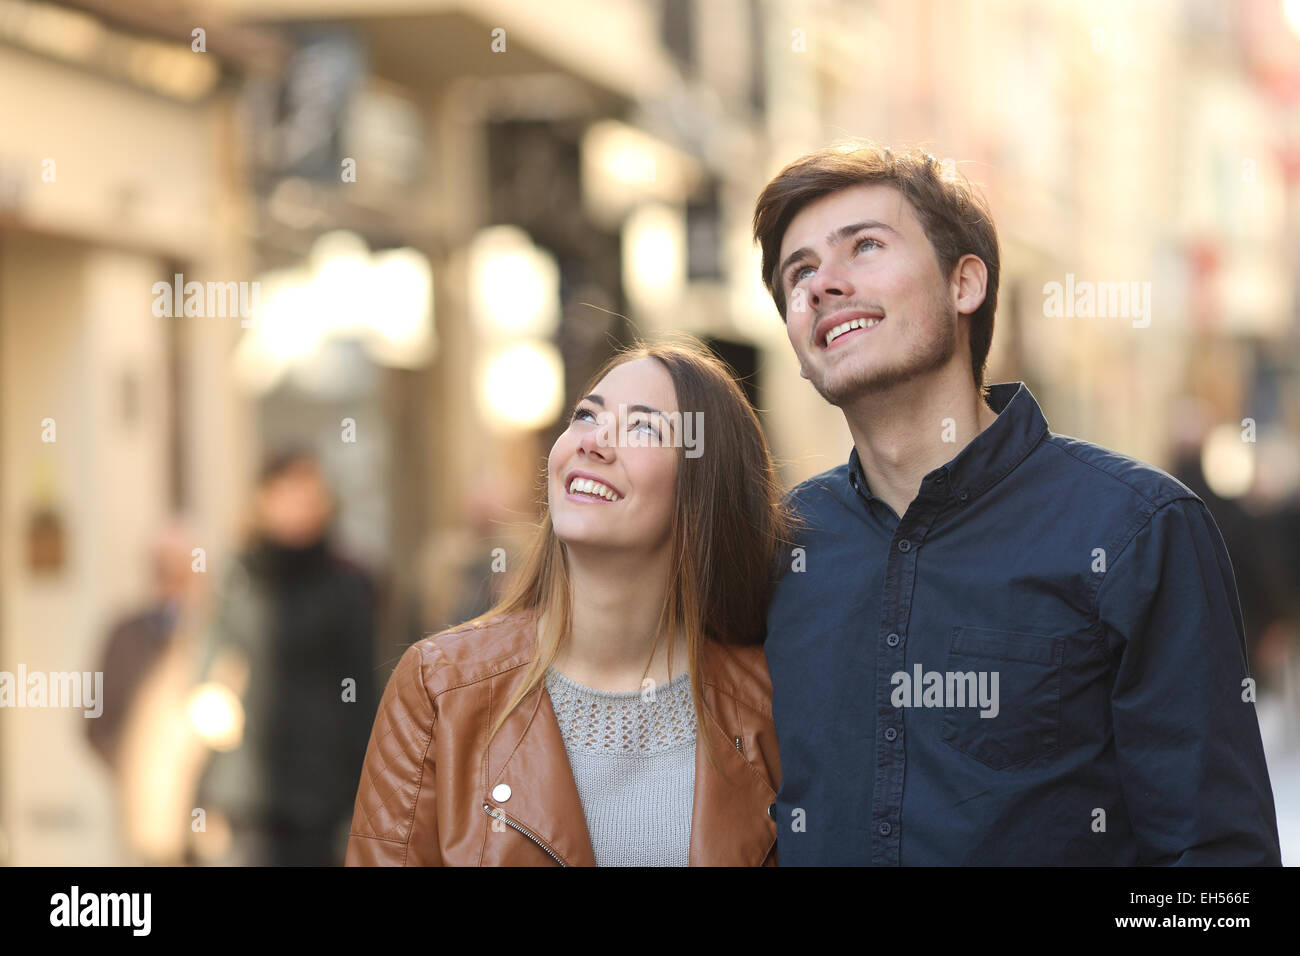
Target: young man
<point>993,644</point>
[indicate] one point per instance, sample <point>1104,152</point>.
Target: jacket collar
<point>729,815</point>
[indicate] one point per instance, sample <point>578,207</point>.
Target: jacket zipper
<point>498,815</point>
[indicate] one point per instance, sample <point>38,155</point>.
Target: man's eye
<point>796,275</point>
<point>863,242</point>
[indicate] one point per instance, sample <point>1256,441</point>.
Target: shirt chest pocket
<point>1015,716</point>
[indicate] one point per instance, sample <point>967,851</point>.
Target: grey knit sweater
<point>634,762</point>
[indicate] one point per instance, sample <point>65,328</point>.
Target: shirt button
<point>892,640</point>
<point>771,810</point>
<point>904,545</point>
<point>890,733</point>
<point>963,496</point>
<point>886,829</point>
<point>501,792</point>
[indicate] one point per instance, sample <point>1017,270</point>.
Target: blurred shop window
<point>758,58</point>
<point>301,129</point>
<point>677,30</point>
<point>743,358</point>
<point>704,236</point>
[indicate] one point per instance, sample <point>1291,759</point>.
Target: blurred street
<point>295,295</point>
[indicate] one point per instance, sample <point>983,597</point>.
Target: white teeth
<point>589,487</point>
<point>840,329</point>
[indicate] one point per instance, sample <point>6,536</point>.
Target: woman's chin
<point>584,538</point>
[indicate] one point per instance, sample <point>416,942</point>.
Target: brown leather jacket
<point>430,795</point>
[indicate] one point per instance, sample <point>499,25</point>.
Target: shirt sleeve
<point>1190,757</point>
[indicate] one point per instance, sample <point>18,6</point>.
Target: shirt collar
<point>988,458</point>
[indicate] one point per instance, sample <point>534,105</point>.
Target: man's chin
<point>841,389</point>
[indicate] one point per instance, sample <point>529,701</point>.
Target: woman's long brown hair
<point>728,524</point>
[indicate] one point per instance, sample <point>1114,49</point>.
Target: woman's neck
<point>617,602</point>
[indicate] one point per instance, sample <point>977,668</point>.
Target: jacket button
<point>501,792</point>
<point>771,810</point>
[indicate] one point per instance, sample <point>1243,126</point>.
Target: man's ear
<point>969,284</point>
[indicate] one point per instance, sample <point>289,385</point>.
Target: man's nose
<point>830,281</point>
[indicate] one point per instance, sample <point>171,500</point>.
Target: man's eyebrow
<point>834,238</point>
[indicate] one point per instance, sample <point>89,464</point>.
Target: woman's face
<point>618,437</point>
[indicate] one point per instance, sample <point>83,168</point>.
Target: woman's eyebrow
<point>598,400</point>
<point>652,411</point>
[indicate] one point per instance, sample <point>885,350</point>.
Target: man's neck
<point>906,432</point>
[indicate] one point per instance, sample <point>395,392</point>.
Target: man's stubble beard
<point>931,355</point>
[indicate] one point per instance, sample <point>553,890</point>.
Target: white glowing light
<point>400,333</point>
<point>515,286</point>
<point>1291,12</point>
<point>623,166</point>
<point>1228,462</point>
<point>384,299</point>
<point>216,716</point>
<point>654,256</point>
<point>522,387</point>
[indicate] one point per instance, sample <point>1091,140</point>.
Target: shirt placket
<point>896,612</point>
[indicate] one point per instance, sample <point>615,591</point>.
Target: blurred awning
<point>428,44</point>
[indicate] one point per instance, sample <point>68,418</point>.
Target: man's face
<point>294,507</point>
<point>865,260</point>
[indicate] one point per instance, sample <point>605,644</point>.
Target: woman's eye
<point>583,414</point>
<point>645,426</point>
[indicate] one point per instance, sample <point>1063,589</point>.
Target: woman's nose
<point>599,441</point>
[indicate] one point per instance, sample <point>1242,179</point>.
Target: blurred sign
<point>300,131</point>
<point>45,545</point>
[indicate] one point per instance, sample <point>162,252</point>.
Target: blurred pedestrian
<point>292,643</point>
<point>143,663</point>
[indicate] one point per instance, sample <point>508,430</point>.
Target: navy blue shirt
<point>1041,662</point>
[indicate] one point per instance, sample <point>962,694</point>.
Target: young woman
<point>614,708</point>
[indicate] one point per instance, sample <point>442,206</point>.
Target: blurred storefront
<point>115,165</point>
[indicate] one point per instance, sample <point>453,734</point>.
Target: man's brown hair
<point>954,214</point>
